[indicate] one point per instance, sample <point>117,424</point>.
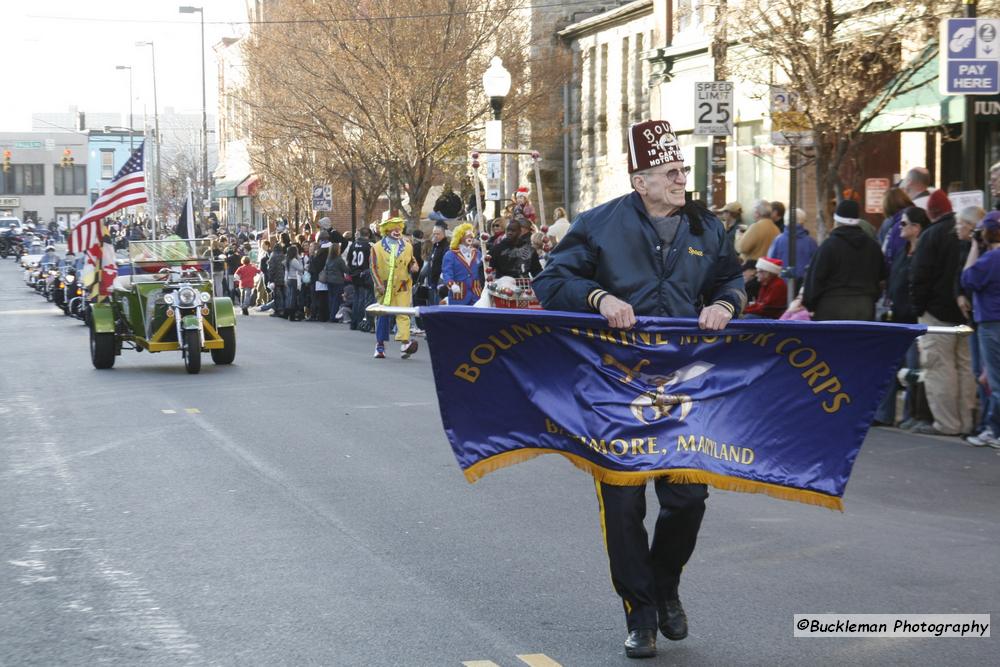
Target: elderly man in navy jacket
<point>650,252</point>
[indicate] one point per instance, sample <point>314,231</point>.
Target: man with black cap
<point>844,276</point>
<point>650,252</point>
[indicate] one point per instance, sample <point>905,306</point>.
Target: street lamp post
<point>131,147</point>
<point>496,84</point>
<point>156,123</point>
<point>204,108</point>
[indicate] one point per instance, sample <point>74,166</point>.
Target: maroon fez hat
<point>652,143</point>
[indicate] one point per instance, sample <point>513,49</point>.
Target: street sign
<point>493,177</point>
<point>789,126</point>
<point>875,189</point>
<point>322,197</point>
<point>960,200</point>
<point>969,57</point>
<point>713,108</point>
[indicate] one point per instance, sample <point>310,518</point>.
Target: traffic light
<point>67,158</point>
<point>6,161</point>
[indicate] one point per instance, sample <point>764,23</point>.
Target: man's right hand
<point>618,313</point>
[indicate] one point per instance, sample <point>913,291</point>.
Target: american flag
<point>128,188</point>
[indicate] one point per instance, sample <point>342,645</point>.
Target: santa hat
<point>652,143</point>
<point>459,234</point>
<point>392,223</point>
<point>521,191</point>
<point>938,204</point>
<point>770,264</point>
<point>848,213</point>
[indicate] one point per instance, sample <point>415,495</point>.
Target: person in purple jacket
<point>981,277</point>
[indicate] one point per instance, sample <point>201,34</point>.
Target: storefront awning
<point>227,188</point>
<point>249,187</point>
<point>921,107</point>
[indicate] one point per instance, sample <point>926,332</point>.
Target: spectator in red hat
<point>522,206</point>
<point>844,279</point>
<point>773,295</point>
<point>946,360</point>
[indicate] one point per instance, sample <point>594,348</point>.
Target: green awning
<point>921,107</point>
<point>226,188</point>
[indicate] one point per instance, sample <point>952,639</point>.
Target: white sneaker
<point>984,439</point>
<point>910,377</point>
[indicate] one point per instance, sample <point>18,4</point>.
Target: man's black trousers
<point>644,575</point>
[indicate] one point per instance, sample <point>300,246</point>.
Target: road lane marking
<point>192,411</point>
<point>30,311</point>
<point>480,663</point>
<point>169,412</point>
<point>538,660</point>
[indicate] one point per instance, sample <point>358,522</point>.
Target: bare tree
<point>844,60</point>
<point>390,90</point>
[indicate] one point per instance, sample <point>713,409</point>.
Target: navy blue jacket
<point>615,247</point>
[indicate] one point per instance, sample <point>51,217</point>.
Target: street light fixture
<point>204,108</point>
<point>496,84</point>
<point>156,122</point>
<point>131,147</point>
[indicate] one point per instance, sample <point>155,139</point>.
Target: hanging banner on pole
<point>789,125</point>
<point>322,197</point>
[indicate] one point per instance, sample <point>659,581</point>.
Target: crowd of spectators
<point>925,263</point>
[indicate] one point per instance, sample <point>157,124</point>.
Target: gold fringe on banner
<point>678,475</point>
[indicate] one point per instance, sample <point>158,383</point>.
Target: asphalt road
<point>302,507</point>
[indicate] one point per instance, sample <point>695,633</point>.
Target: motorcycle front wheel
<point>192,351</point>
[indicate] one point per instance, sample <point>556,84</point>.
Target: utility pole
<point>969,176</point>
<point>717,154</point>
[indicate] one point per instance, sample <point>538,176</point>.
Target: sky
<point>63,53</point>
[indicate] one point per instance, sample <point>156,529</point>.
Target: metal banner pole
<point>379,310</point>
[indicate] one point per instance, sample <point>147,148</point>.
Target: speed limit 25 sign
<point>713,108</point>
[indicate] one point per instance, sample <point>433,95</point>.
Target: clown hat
<point>392,223</point>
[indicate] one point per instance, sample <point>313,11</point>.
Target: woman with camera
<point>981,278</point>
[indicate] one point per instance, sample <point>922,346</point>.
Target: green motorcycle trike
<point>162,301</point>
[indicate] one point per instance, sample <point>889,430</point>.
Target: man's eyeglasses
<point>672,174</point>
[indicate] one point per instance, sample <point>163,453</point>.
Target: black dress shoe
<point>673,620</point>
<point>641,643</point>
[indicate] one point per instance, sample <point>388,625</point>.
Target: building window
<point>689,14</point>
<point>23,179</point>
<point>623,91</point>
<point>590,127</point>
<point>638,88</point>
<point>107,163</point>
<point>70,180</point>
<point>602,113</point>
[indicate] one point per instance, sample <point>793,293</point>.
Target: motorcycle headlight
<point>187,296</point>
<point>71,279</point>
<point>168,299</point>
<point>205,297</point>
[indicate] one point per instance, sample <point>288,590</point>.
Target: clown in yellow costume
<point>391,261</point>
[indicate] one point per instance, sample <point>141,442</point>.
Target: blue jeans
<point>248,296</point>
<point>363,297</point>
<point>886,411</point>
<point>293,305</point>
<point>278,299</point>
<point>335,292</point>
<point>989,348</point>
<point>977,370</point>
